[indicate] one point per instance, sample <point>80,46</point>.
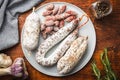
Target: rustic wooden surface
<point>108,35</point>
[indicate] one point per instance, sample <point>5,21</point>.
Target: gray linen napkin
<point>9,12</point>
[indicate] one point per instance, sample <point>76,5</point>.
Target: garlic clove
<point>5,61</point>
<point>18,68</point>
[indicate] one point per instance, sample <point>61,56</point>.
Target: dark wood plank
<point>108,35</point>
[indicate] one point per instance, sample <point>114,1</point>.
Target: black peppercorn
<point>101,8</point>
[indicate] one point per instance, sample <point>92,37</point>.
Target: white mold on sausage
<point>72,56</point>
<point>31,31</point>
<point>59,52</point>
<point>54,39</point>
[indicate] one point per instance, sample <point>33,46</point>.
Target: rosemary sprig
<point>108,70</point>
<point>106,63</point>
<point>96,70</point>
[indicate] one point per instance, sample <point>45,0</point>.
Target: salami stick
<point>59,52</point>
<point>31,31</point>
<point>54,39</point>
<point>73,55</point>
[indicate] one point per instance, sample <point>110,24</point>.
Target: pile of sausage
<point>55,18</point>
<point>72,46</point>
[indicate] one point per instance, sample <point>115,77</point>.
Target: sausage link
<point>47,18</point>
<point>62,16</point>
<point>31,31</point>
<point>59,52</point>
<point>42,27</point>
<point>61,24</point>
<point>55,11</point>
<point>56,29</point>
<point>47,13</point>
<point>73,13</point>
<point>72,56</point>
<point>48,29</point>
<point>54,39</point>
<point>49,23</point>
<point>62,9</point>
<point>57,17</point>
<point>69,19</point>
<point>50,7</point>
<point>57,23</point>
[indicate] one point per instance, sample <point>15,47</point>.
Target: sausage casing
<point>59,52</point>
<point>54,39</point>
<point>31,31</point>
<point>72,55</point>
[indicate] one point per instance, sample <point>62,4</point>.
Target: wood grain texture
<point>108,35</point>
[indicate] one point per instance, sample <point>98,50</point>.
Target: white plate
<point>87,30</point>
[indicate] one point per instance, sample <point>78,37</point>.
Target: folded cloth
<point>9,12</point>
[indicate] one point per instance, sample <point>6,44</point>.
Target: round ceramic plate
<point>87,30</point>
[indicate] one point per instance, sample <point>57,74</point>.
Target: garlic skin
<point>17,69</point>
<point>5,61</point>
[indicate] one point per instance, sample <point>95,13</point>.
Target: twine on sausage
<point>85,15</point>
<point>33,9</point>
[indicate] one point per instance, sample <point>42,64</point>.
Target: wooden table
<point>108,35</point>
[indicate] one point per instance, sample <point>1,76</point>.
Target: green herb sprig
<point>108,70</point>
<point>96,71</point>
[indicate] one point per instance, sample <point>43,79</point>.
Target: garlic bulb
<point>5,61</point>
